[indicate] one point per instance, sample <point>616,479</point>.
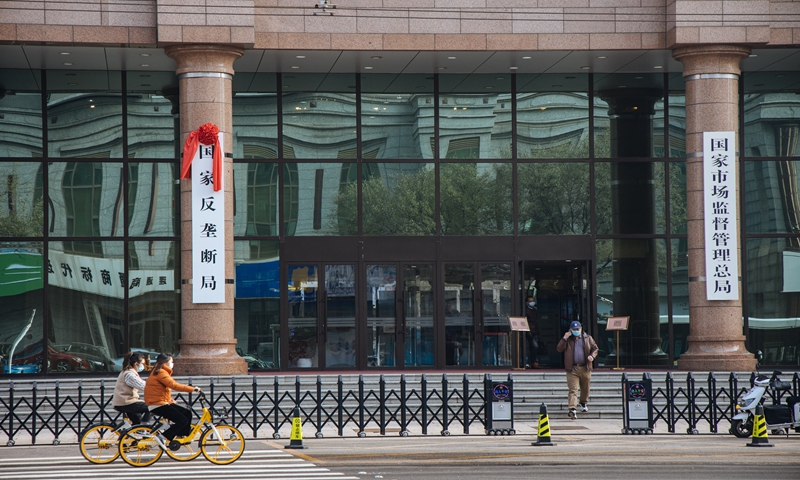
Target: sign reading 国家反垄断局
<point>721,232</point>
<point>208,229</point>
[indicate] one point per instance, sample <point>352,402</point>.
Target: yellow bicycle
<point>220,443</point>
<point>99,443</point>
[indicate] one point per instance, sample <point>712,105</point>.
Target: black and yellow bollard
<point>296,439</point>
<point>759,429</point>
<point>543,437</point>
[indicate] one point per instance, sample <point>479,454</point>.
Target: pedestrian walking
<point>532,314</point>
<point>580,350</point>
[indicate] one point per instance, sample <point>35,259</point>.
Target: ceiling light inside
<point>513,68</point>
<point>526,58</point>
<point>67,64</point>
<point>586,67</point>
<point>64,53</point>
<point>376,57</point>
<point>300,56</point>
<point>658,66</point>
<point>602,56</point>
<point>145,65</point>
<point>367,68</point>
<point>451,58</point>
<point>145,54</point>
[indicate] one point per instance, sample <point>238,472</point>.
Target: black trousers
<point>134,410</point>
<point>181,420</point>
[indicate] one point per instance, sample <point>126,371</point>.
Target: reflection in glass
<point>302,316</point>
<point>85,125</point>
<point>475,126</point>
<point>256,195</point>
<point>772,200</point>
<point>318,199</point>
<point>476,198</point>
<point>554,198</point>
<point>22,212</point>
<point>677,194</point>
<point>152,126</point>
<point>398,199</point>
<point>418,315</point>
<point>152,199</point>
<point>552,125</point>
<point>20,124</point>
<point>629,197</point>
<point>630,111</point>
<point>255,125</point>
<point>773,294</point>
<point>319,125</point>
<point>771,126</point>
<point>257,303</point>
<point>381,315</point>
<point>677,126</point>
<point>397,125</point>
<point>679,262</point>
<point>459,319</point>
<point>154,305</point>
<point>86,295</point>
<point>22,310</point>
<point>496,302</point>
<point>340,316</point>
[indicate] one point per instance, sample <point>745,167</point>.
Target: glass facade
<point>373,230</point>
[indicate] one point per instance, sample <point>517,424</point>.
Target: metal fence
<point>696,401</point>
<point>265,408</point>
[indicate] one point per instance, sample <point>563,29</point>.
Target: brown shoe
<point>536,365</point>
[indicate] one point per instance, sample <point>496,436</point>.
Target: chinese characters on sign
<point>719,192</point>
<point>208,230</point>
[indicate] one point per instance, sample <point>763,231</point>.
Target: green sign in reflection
<point>20,272</point>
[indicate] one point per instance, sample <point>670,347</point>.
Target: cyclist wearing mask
<point>126,390</point>
<point>158,396</point>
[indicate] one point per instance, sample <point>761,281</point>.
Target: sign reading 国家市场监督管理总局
<point>721,232</point>
<point>208,228</point>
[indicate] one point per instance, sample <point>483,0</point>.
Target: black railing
<point>708,402</point>
<point>265,408</point>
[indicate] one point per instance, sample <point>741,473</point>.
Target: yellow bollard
<point>760,438</point>
<point>296,439</point>
<point>543,437</point>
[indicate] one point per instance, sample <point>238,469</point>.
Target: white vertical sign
<point>719,194</point>
<point>208,229</point>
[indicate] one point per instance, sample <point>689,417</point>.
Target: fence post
<point>796,384</point>
<point>383,404</point>
<point>445,405</point>
<point>712,401</point>
<point>424,387</point>
<point>277,408</point>
<point>233,400</point>
<point>319,407</point>
<point>10,441</point>
<point>624,403</point>
<point>692,429</point>
<point>670,403</point>
<point>403,407</point>
<point>35,414</point>
<point>56,415</point>
<point>102,400</point>
<point>733,386</point>
<point>340,406</point>
<point>361,432</point>
<point>80,405</point>
<point>254,405</point>
<point>465,387</point>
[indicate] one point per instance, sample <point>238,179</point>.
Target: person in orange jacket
<point>158,397</point>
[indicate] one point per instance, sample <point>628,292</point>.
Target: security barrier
<point>265,408</point>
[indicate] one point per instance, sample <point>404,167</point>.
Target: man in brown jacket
<point>580,350</point>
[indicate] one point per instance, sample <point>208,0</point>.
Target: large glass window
<point>629,197</point>
<point>476,198</point>
<point>152,115</point>
<point>20,114</point>
<point>256,196</point>
<point>397,116</point>
<point>552,116</point>
<point>318,199</point>
<point>22,311</point>
<point>771,124</point>
<point>319,116</point>
<point>677,194</point>
<point>677,123</point>
<point>475,116</point>
<point>257,304</point>
<point>773,299</point>
<point>772,200</point>
<point>84,114</point>
<point>679,262</point>
<point>152,199</point>
<point>398,199</point>
<point>21,200</point>
<point>554,198</point>
<point>255,116</point>
<point>86,305</point>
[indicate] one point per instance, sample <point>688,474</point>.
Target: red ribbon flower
<point>207,134</point>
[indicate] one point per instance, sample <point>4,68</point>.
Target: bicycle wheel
<point>139,448</point>
<point>100,443</point>
<point>224,450</point>
<point>187,451</point>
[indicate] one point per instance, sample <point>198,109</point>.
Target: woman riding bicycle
<point>158,397</point>
<point>126,390</point>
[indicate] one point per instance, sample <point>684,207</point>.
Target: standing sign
<point>719,192</point>
<point>208,228</point>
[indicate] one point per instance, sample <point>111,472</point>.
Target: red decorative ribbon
<point>207,134</point>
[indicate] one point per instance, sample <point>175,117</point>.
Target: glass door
<point>339,319</point>
<point>417,316</point>
<point>459,318</point>
<point>495,301</point>
<point>303,316</point>
<point>381,308</point>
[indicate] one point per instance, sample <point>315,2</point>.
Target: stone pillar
<point>205,74</point>
<point>711,73</point>
<point>633,206</point>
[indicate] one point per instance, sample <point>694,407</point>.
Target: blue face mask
<point>531,304</point>
<point>140,369</point>
<point>576,332</point>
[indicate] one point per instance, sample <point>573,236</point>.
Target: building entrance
<point>560,291</point>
